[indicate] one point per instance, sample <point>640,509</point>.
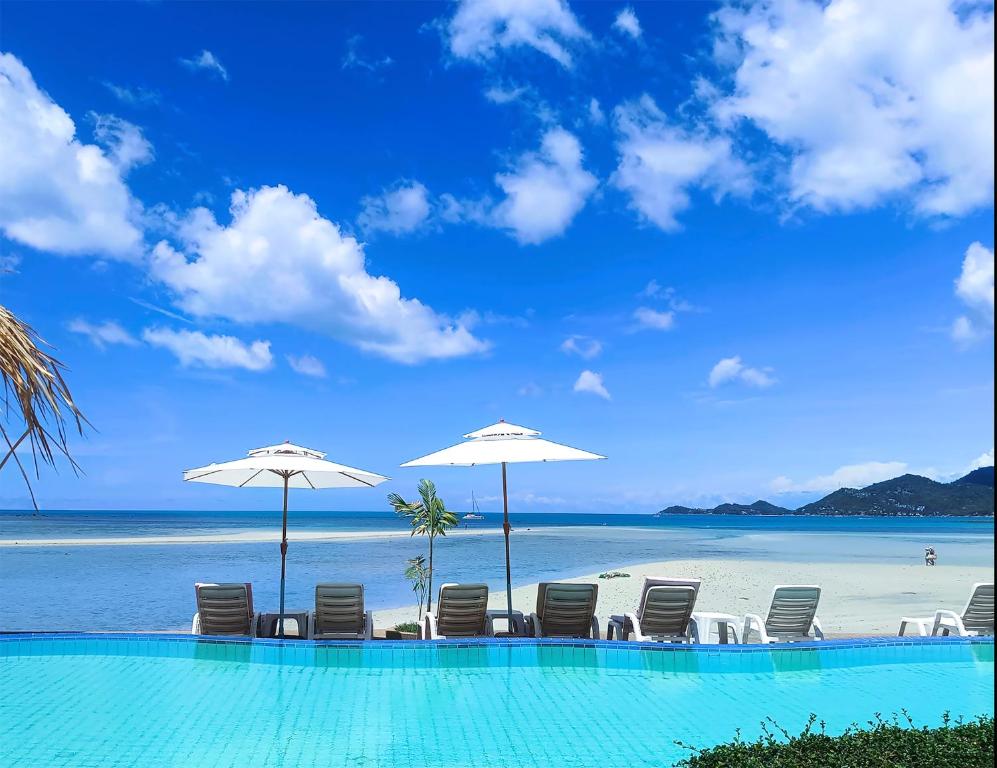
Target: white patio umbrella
<point>284,466</point>
<point>503,444</point>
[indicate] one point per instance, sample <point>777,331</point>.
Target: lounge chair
<point>461,611</point>
<point>224,609</point>
<point>565,610</point>
<point>664,613</point>
<point>977,617</point>
<point>791,616</point>
<point>339,614</point>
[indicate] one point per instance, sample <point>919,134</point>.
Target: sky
<point>743,250</point>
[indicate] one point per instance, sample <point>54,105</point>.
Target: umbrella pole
<point>283,564</point>
<point>505,529</point>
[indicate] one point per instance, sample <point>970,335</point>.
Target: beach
<point>866,599</point>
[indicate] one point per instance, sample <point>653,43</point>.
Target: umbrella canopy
<point>284,466</point>
<point>502,443</point>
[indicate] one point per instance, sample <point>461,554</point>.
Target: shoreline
<point>856,599</point>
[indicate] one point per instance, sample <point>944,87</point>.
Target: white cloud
<point>627,23</point>
<point>354,58</point>
<point>104,333</point>
<point>196,349</point>
<point>660,162</point>
<point>481,28</point>
<point>596,115</point>
<point>56,193</point>
<point>208,62</point>
<point>545,189</point>
<point>869,100</point>
<point>403,208</point>
<point>134,97</point>
<point>279,261</point>
<point>589,381</point>
<point>848,476</point>
<point>732,369</point>
<point>585,347</point>
<point>124,142</point>
<point>983,460</point>
<point>975,288</point>
<point>307,365</point>
<point>505,94</point>
<point>654,319</point>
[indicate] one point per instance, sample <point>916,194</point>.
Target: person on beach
<point>930,556</point>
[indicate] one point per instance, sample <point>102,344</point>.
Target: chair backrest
<point>666,610</point>
<point>661,581</point>
<point>792,611</point>
<point>339,609</point>
<point>461,610</point>
<point>978,615</point>
<point>566,610</point>
<point>225,609</point>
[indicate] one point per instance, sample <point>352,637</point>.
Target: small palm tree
<point>418,574</point>
<point>429,517</point>
<point>32,383</point>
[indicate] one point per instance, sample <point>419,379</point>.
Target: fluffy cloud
<point>481,28</point>
<point>133,97</point>
<point>125,145</point>
<point>403,208</point>
<point>585,347</point>
<point>196,349</point>
<point>848,476</point>
<point>732,369</point>
<point>104,333</point>
<point>279,261</point>
<point>56,193</point>
<point>868,100</point>
<point>627,23</point>
<point>596,115</point>
<point>983,460</point>
<point>545,189</point>
<point>660,162</point>
<point>591,382</point>
<point>975,288</point>
<point>654,319</point>
<point>206,61</point>
<point>307,365</point>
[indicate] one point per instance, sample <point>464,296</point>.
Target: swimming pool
<point>137,701</point>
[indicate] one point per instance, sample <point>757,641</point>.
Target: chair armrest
<point>490,626</point>
<point>634,627</point>
<point>254,624</point>
<point>195,624</point>
<point>754,621</point>
<point>693,630</point>
<point>430,627</point>
<point>948,619</point>
<point>535,627</point>
<point>595,628</point>
<point>368,625</point>
<point>818,629</point>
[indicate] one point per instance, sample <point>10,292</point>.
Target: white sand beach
<point>857,599</point>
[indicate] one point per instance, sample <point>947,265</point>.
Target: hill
<point>981,476</point>
<point>904,496</point>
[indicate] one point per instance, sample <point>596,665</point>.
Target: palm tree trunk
<point>429,591</point>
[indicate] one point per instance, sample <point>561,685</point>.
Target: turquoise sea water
<point>119,702</point>
<point>148,586</point>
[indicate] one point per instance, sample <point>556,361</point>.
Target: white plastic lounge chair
<point>224,609</point>
<point>461,611</point>
<point>664,613</point>
<point>339,614</point>
<point>791,616</point>
<point>977,617</point>
<point>565,610</point>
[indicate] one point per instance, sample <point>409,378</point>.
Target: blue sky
<point>745,251</point>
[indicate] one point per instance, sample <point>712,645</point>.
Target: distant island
<point>904,496</point>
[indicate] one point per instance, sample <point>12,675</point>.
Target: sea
<point>149,586</point>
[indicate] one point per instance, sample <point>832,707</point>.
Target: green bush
<point>407,626</point>
<point>893,743</point>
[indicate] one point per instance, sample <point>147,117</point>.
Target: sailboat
<point>475,513</point>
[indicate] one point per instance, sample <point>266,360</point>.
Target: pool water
<point>174,701</point>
